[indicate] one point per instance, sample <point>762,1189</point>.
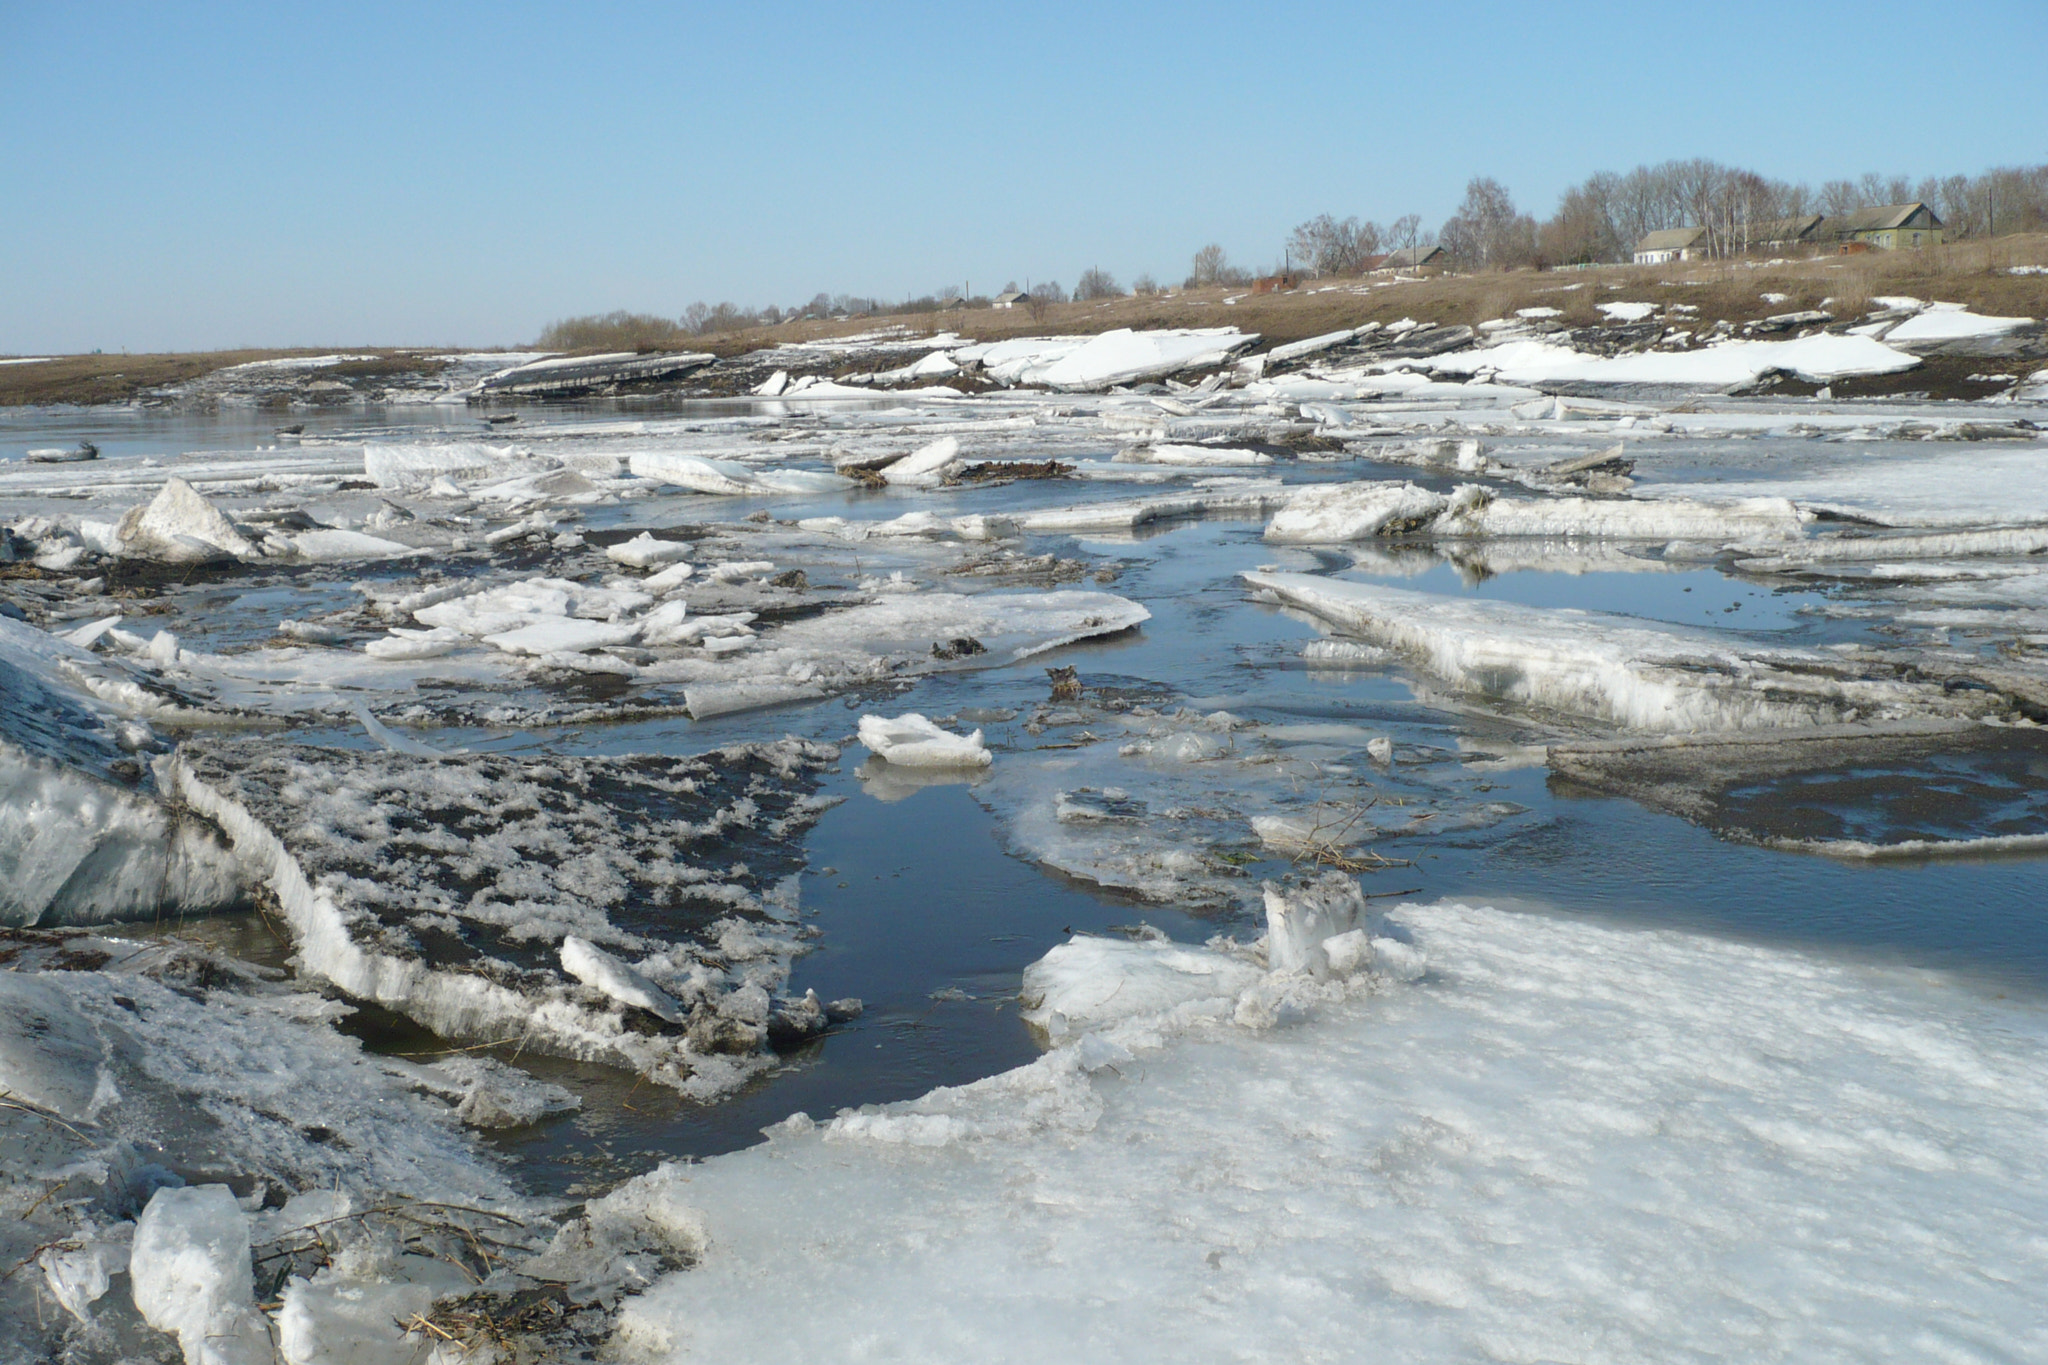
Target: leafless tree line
<point>1603,217</point>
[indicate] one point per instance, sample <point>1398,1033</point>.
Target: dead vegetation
<point>1973,273</point>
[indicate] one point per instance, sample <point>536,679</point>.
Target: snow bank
<point>1571,1142</point>
<point>912,741</point>
<point>1611,668</point>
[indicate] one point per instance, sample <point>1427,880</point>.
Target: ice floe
<point>1613,669</point>
<point>912,741</point>
<point>1638,1131</point>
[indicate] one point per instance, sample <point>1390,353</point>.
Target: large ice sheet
<point>1728,364</point>
<point>1568,1142</point>
<point>483,896</point>
<point>1611,668</point>
<point>1124,356</point>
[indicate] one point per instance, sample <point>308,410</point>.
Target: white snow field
<point>1565,1142</point>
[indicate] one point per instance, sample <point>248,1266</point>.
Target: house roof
<point>1672,239</point>
<point>1882,217</point>
<point>1785,229</point>
<point>1413,255</point>
<point>1014,296</point>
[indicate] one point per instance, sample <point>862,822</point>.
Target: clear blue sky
<point>181,176</point>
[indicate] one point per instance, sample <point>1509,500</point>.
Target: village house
<point>1413,260</point>
<point>1672,244</point>
<point>1012,299</point>
<point>1889,227</point>
<point>1778,234</point>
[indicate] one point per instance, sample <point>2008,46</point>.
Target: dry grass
<point>86,379</point>
<point>1970,273</point>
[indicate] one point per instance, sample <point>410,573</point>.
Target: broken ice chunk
<point>1298,922</point>
<point>913,741</point>
<point>191,1276</point>
<point>602,972</point>
<point>645,552</point>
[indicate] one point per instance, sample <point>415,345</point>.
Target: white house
<point>1672,244</point>
<point>1012,299</point>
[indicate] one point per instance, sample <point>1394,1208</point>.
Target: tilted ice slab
<point>1949,321</point>
<point>729,478</point>
<point>1610,668</point>
<point>1124,356</point>
<point>1727,364</point>
<point>1329,513</point>
<point>1896,549</point>
<point>1568,1142</point>
<point>84,836</point>
<point>1232,498</point>
<point>448,889</point>
<point>894,636</point>
<point>1978,484</point>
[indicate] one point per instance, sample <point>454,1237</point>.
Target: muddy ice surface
<point>437,850</point>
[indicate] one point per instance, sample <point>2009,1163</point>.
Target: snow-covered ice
<point>912,741</point>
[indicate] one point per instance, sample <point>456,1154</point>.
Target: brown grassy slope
<point>86,379</point>
<point>1972,273</point>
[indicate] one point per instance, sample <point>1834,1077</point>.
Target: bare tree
<point>1325,246</point>
<point>1487,232</point>
<point>1096,284</point>
<point>1210,266</point>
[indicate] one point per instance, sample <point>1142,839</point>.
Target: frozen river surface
<point>1392,875</point>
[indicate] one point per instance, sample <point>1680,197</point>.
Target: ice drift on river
<point>1123,356</point>
<point>1566,1142</point>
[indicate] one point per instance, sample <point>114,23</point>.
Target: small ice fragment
<point>672,577</point>
<point>1380,748</point>
<point>602,972</point>
<point>923,467</point>
<point>645,552</point>
<point>1298,922</point>
<point>913,741</point>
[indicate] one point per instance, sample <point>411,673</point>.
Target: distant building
<point>1779,233</point>
<point>1368,264</point>
<point>1012,299</point>
<point>1889,227</point>
<point>1269,284</point>
<point>954,302</point>
<point>1416,260</point>
<point>1672,244</point>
